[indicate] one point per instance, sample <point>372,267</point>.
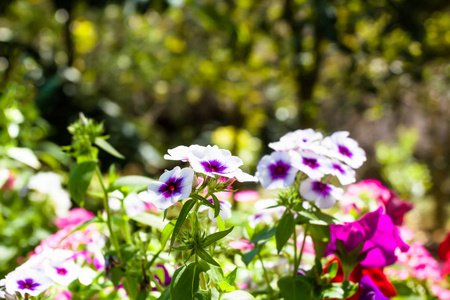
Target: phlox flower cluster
<point>58,259</point>
<point>308,152</point>
<point>206,163</point>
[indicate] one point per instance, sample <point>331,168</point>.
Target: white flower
<point>86,276</point>
<point>266,213</point>
<point>214,161</point>
<point>323,194</point>
<point>225,210</point>
<point>344,173</point>
<point>133,205</point>
<point>173,185</point>
<point>244,177</point>
<point>310,163</point>
<point>275,171</point>
<point>298,140</point>
<point>114,200</point>
<point>27,281</point>
<point>45,182</point>
<point>182,152</point>
<point>345,149</point>
<point>63,272</point>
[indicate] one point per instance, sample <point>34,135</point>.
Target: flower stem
<point>266,276</point>
<point>301,250</point>
<point>294,271</point>
<point>108,211</point>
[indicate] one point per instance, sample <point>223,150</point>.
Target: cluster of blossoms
<point>308,152</point>
<point>60,259</point>
<point>206,162</point>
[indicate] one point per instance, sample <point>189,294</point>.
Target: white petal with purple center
<point>63,272</point>
<point>173,185</point>
<point>27,281</point>
<point>310,163</point>
<point>214,161</point>
<point>323,194</point>
<point>344,173</point>
<point>275,171</point>
<point>340,146</point>
<point>133,205</point>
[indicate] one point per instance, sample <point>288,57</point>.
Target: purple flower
<point>214,161</point>
<point>275,171</point>
<point>27,281</point>
<point>378,234</point>
<point>323,194</point>
<point>305,139</point>
<point>173,185</point>
<point>345,149</point>
<point>310,163</point>
<point>162,275</point>
<point>370,291</point>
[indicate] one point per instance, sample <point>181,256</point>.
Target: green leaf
<point>206,257</point>
<point>185,281</point>
<point>150,220</point>
<point>116,275</point>
<point>264,235</point>
<point>220,223</point>
<point>166,233</point>
<point>231,277</point>
<point>212,238</point>
<point>216,274</point>
<point>203,295</point>
<point>183,214</point>
<point>112,175</point>
<point>333,269</point>
<point>136,183</point>
<point>165,295</point>
<point>79,179</point>
<point>294,289</point>
<point>284,230</point>
<point>104,145</point>
<point>225,287</point>
<point>216,206</point>
<point>250,255</point>
<point>320,236</point>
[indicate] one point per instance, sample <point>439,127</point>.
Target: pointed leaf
<point>231,277</point>
<point>212,238</point>
<point>135,182</point>
<point>104,145</point>
<point>206,257</point>
<point>166,233</point>
<point>284,230</point>
<point>79,179</point>
<point>216,206</point>
<point>264,235</point>
<point>183,214</point>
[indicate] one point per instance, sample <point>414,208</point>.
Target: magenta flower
<point>173,185</point>
<point>376,232</point>
<point>76,216</point>
<point>275,171</point>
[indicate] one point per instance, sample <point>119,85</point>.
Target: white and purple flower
<point>310,163</point>
<point>302,139</point>
<point>215,161</point>
<point>133,205</point>
<point>344,173</point>
<point>225,210</point>
<point>182,152</point>
<point>340,146</point>
<point>275,171</point>
<point>63,272</point>
<point>323,194</point>
<point>173,185</point>
<point>27,281</point>
<point>267,212</point>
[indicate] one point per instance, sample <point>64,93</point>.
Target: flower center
<point>27,284</point>
<point>321,188</point>
<point>345,151</point>
<point>311,162</point>
<point>172,186</point>
<point>279,169</point>
<point>213,166</point>
<point>339,168</point>
<point>61,271</point>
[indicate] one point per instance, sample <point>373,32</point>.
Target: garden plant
<point>311,232</point>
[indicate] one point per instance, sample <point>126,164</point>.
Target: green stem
<point>294,270</point>
<point>108,211</point>
<point>266,276</point>
<point>301,250</point>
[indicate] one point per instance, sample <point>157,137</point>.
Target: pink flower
<point>440,292</point>
<point>65,295</point>
<point>76,216</point>
<point>241,244</point>
<point>246,196</point>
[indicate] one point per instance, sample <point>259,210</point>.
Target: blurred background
<point>239,74</point>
